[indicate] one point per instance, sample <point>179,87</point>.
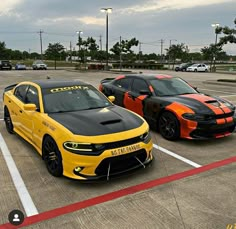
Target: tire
<point>52,157</point>
<point>195,70</point>
<point>169,126</point>
<point>8,122</point>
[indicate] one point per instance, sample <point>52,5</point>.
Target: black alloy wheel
<point>169,126</point>
<point>8,122</point>
<point>52,157</point>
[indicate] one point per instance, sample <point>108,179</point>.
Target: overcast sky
<point>149,21</point>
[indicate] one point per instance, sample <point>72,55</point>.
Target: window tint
<point>32,96</point>
<point>139,85</point>
<point>73,98</point>
<point>171,86</point>
<point>20,92</point>
<point>123,83</point>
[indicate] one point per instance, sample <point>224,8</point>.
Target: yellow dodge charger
<point>78,131</point>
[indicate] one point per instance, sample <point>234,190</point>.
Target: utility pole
<point>162,41</point>
<point>41,43</point>
<point>100,40</point>
<point>100,55</point>
<point>120,54</point>
<point>169,55</point>
<point>70,52</point>
<point>140,52</point>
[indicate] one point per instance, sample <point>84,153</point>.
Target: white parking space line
<point>177,156</point>
<point>1,119</point>
<point>224,92</point>
<point>224,96</point>
<point>23,193</point>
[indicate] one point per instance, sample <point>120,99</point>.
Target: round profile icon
<point>16,217</point>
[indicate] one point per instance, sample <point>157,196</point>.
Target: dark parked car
<point>5,64</point>
<point>183,67</point>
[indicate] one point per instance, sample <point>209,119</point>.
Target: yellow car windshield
<point>73,98</point>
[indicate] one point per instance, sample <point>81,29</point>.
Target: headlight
<point>145,137</point>
<point>83,148</point>
<point>195,117</point>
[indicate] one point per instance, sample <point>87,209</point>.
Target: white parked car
<point>198,68</point>
<point>38,64</point>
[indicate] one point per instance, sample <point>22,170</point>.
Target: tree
<point>194,56</point>
<point>230,34</point>
<point>177,51</point>
<point>208,52</point>
<point>35,55</point>
<point>3,50</point>
<point>124,46</point>
<point>54,51</point>
<point>87,48</point>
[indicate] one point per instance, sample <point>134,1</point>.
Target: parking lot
<point>190,184</point>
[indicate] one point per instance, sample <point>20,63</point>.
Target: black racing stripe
<point>195,105</point>
<point>95,122</point>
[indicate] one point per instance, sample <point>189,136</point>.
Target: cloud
<point>161,5</point>
<point>84,20</point>
<point>93,21</point>
<point>7,5</point>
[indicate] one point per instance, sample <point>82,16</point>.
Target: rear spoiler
<point>10,87</point>
<point>106,80</point>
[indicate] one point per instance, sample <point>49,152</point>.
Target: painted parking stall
<point>175,162</point>
<point>118,194</point>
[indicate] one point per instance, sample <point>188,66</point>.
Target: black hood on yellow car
<point>99,121</point>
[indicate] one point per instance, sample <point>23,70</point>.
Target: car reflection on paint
<point>172,106</point>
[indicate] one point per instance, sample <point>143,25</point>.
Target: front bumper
<point>107,165</point>
<point>206,129</point>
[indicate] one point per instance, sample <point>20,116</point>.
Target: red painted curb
<point>116,194</point>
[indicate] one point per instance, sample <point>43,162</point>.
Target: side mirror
<point>30,107</point>
<point>145,92</point>
<point>111,98</point>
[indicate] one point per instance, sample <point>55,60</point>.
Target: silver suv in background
<point>39,64</point>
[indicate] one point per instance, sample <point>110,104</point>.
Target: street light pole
<point>79,32</point>
<point>106,10</point>
<point>215,25</point>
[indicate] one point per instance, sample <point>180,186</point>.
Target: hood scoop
<point>213,102</point>
<point>111,121</point>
